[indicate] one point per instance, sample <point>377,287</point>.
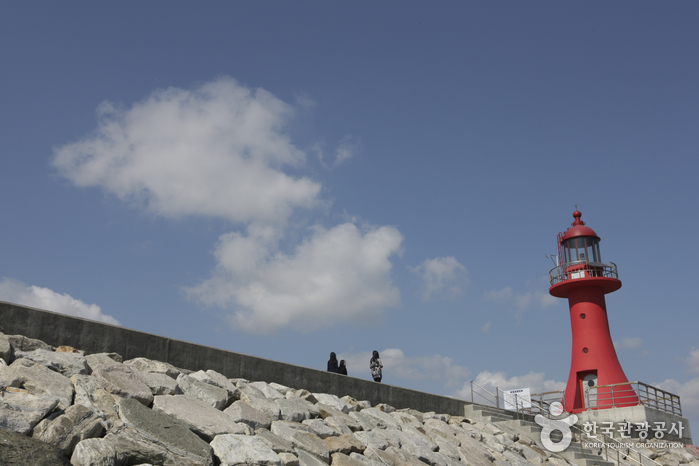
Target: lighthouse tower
<point>582,278</point>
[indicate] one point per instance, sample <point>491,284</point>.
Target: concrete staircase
<point>524,424</point>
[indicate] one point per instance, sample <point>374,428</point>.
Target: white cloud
<point>336,275</point>
<point>398,366</point>
<point>535,381</point>
<point>688,393</point>
<point>441,275</point>
<point>43,298</point>
<point>629,343</point>
<point>216,150</point>
<point>693,361</point>
<point>486,327</point>
<point>521,301</point>
<point>498,295</point>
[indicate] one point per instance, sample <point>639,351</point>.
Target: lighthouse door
<point>589,387</point>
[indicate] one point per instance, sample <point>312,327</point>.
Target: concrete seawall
<point>96,337</point>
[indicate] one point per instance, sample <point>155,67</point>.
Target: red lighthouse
<point>582,278</point>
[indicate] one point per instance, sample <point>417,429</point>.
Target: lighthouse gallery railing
<point>582,269</point>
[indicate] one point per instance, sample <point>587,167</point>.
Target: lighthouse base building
<point>598,391</point>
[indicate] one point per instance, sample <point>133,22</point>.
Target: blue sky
<point>287,179</point>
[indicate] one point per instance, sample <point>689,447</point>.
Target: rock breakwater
<point>59,406</point>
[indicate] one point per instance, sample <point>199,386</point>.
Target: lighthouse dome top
<point>578,228</point>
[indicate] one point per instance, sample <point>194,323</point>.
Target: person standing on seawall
<point>375,366</point>
<point>343,368</point>
<point>332,363</point>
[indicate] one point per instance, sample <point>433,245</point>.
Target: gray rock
<point>210,394</point>
<point>269,391</point>
<point>275,442</point>
<point>219,380</point>
<point>471,451</point>
<point>388,409</point>
<point>165,432</point>
<point>159,384</point>
<point>202,419</point>
<point>333,401</point>
<point>148,365</point>
<point>321,428</point>
<point>374,439</point>
<point>37,379</point>
<point>90,392</point>
<point>21,410</point>
<point>356,405</point>
<point>337,424</point>
<point>269,407</point>
<point>364,460</point>
<point>341,459</point>
<point>406,419</point>
<point>19,450</point>
<point>6,350</point>
<point>22,343</point>
<point>76,424</point>
<point>404,458</point>
<point>383,420</point>
<point>310,407</point>
<point>311,444</point>
<point>284,390</point>
<point>306,395</point>
<point>240,411</point>
<point>240,450</point>
<point>289,459</point>
<point>344,444</point>
<point>124,382</point>
<point>351,422</point>
<point>293,409</point>
<point>108,359</point>
<point>366,421</point>
<point>307,459</point>
<point>94,452</point>
<point>68,364</point>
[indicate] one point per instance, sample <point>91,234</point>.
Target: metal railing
<point>582,269</point>
<point>633,394</point>
<point>614,449</point>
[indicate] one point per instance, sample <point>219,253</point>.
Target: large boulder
<point>159,384</point>
<point>108,359</point>
<point>68,364</point>
<point>219,380</point>
<point>6,350</point>
<point>22,343</point>
<point>123,381</point>
<point>240,411</point>
<point>19,450</point>
<point>240,450</point>
<point>90,392</point>
<point>77,423</point>
<point>148,365</point>
<point>21,410</point>
<point>202,419</point>
<point>164,432</point>
<point>212,395</point>
<point>38,379</point>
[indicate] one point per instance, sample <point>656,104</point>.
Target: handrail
<point>614,445</point>
<point>497,400</point>
<point>582,269</point>
<point>610,443</point>
<point>633,394</point>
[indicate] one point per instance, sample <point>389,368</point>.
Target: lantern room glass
<point>582,248</point>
